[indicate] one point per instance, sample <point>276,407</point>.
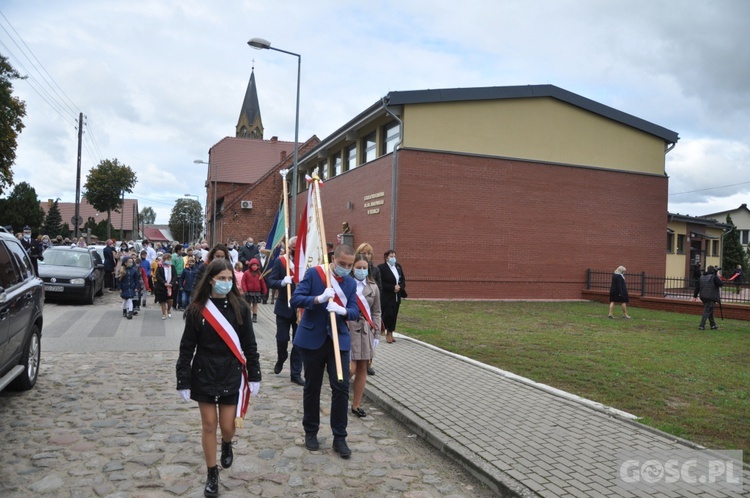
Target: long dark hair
<point>203,291</point>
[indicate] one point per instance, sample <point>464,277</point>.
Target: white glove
<point>254,388</point>
<point>327,294</point>
<point>336,308</point>
<point>287,280</point>
<point>375,343</point>
<point>185,393</point>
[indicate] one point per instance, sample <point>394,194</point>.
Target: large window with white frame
<point>391,136</point>
<point>369,148</point>
<point>337,166</point>
<point>350,157</point>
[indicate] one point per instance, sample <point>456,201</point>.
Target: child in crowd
<point>253,286</point>
<point>128,278</point>
<point>238,274</point>
<point>187,282</point>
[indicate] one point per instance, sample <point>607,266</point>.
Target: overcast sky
<point>160,82</point>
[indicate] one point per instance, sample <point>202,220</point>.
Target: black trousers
<point>708,312</point>
<point>282,343</point>
<point>317,362</point>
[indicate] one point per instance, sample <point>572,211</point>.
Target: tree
<point>105,186</point>
<point>186,219</point>
<point>22,208</point>
<point>12,110</point>
<point>148,216</point>
<point>733,252</point>
<point>65,230</point>
<point>53,221</point>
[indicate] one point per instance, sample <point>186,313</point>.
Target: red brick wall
<point>487,228</point>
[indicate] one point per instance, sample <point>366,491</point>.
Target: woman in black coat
<point>208,371</point>
<point>618,292</point>
<point>394,290</point>
<point>166,282</point>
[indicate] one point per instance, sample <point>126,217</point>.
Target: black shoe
<point>359,412</point>
<point>714,327</point>
<point>255,318</point>
<point>701,327</point>
<point>212,482</point>
<point>340,447</point>
<point>135,311</point>
<point>124,313</point>
<point>227,457</point>
<point>370,370</point>
<point>130,315</point>
<point>278,366</point>
<point>298,381</point>
<point>311,442</point>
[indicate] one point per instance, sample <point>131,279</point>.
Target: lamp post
<point>213,223</point>
<point>198,199</point>
<point>261,44</point>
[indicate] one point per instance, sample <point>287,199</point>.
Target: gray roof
<point>250,106</point>
<point>529,91</point>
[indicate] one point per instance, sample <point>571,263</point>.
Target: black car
<point>21,304</point>
<point>72,273</point>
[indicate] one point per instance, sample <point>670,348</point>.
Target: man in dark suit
<point>33,248</point>
<point>286,317</point>
<point>109,265</point>
<point>315,342</point>
<point>394,289</point>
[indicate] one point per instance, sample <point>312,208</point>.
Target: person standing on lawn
<point>618,292</point>
<point>708,289</point>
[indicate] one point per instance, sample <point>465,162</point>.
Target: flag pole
<point>322,232</point>
<point>284,172</point>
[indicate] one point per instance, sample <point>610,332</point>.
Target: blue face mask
<point>391,261</point>
<point>360,273</point>
<point>342,272</point>
<point>222,288</point>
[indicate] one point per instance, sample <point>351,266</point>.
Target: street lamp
<point>198,199</point>
<point>213,223</point>
<point>260,44</point>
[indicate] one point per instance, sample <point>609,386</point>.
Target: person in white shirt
<point>150,251</point>
<point>233,254</point>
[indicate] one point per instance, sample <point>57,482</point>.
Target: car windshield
<point>66,258</point>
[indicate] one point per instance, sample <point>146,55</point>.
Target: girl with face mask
<point>130,279</point>
<point>365,332</point>
<point>209,372</point>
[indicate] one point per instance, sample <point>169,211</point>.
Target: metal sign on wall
<point>373,200</point>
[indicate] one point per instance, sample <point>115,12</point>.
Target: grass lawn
<point>658,366</point>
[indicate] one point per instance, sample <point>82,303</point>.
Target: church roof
<point>243,160</point>
<point>250,106</point>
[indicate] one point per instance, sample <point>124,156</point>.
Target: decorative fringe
<point>239,422</point>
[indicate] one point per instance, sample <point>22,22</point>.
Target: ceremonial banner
<point>277,230</point>
<point>309,251</point>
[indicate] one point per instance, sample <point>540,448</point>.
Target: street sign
<point>73,221</point>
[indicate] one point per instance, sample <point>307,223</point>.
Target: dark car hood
<point>49,271</point>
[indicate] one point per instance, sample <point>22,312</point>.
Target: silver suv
<point>21,304</point>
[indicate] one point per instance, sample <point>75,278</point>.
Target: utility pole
<point>78,176</point>
<point>122,215</point>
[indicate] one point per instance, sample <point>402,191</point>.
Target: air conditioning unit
<point>246,204</point>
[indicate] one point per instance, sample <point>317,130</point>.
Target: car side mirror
<point>99,266</point>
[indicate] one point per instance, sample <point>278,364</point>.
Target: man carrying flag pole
<point>327,295</point>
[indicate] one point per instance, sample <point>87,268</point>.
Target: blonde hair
<point>620,270</point>
<point>364,247</point>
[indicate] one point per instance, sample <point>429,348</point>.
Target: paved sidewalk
<point>518,438</point>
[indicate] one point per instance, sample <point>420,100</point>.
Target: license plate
<point>54,288</point>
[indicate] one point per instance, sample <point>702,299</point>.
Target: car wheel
<point>90,296</point>
<point>30,359</point>
<point>101,291</point>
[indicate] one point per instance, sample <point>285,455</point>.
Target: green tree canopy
<point>147,216</point>
<point>53,221</point>
<point>734,254</point>
<point>186,220</point>
<point>12,110</point>
<point>22,208</point>
<point>105,185</point>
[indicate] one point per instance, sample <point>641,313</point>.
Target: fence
<point>667,287</point>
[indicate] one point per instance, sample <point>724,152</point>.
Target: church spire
<point>250,125</point>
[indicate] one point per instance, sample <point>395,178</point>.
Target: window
<point>22,261</point>
<point>670,243</point>
<point>8,275</point>
<point>715,247</point>
<point>392,134</point>
<point>323,169</point>
<point>745,237</point>
<point>350,154</point>
<point>680,244</point>
<point>369,151</point>
<point>337,165</point>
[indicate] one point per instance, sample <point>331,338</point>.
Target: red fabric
<point>144,276</point>
<point>251,282</point>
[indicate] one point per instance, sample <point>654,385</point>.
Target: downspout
<point>394,172</point>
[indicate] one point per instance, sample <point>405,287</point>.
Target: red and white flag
<point>309,251</point>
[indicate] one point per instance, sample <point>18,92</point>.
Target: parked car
<point>21,305</point>
<point>99,249</point>
<point>72,273</point>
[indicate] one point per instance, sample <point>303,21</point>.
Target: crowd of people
<point>220,290</point>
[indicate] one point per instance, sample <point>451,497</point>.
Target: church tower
<point>250,125</point>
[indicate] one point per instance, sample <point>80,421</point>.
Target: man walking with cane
<point>708,288</point>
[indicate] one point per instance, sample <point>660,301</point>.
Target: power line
<point>710,188</point>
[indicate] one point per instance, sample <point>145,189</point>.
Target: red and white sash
<point>225,330</point>
<point>364,306</point>
<point>340,297</point>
